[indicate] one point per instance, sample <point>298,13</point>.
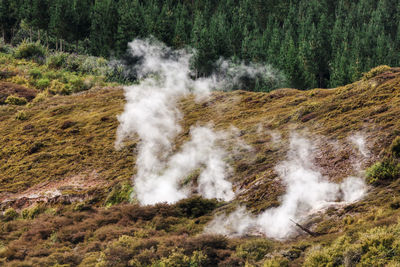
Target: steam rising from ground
<point>307,191</point>
<point>164,175</point>
<point>151,113</point>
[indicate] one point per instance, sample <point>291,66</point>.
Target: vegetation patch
<point>27,50</point>
<point>383,172</point>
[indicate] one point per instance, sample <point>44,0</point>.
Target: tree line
<point>316,43</point>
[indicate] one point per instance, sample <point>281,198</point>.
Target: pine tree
<point>130,24</point>
<point>104,25</point>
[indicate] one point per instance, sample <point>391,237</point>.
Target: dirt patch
<point>7,89</point>
<point>72,189</point>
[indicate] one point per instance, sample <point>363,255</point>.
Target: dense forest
<point>316,43</point>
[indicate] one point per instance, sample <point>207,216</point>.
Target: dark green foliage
<point>315,43</point>
<point>30,51</point>
<point>119,193</point>
<point>196,206</point>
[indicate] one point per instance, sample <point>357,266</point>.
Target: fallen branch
<point>311,233</point>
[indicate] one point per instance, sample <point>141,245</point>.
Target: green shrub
<point>196,206</point>
<point>57,87</point>
<point>31,213</point>
<point>52,75</point>
<point>57,60</point>
<point>395,147</point>
<point>10,214</point>
<point>28,50</point>
<point>35,73</point>
<point>178,259</point>
<point>276,262</point>
<point>15,100</point>
<point>81,206</point>
<point>77,84</point>
<point>21,116</point>
<point>387,170</point>
<point>375,71</point>
<point>40,97</point>
<point>43,83</point>
<point>254,250</point>
<point>119,193</point>
<point>73,62</point>
<point>376,247</point>
<point>5,48</point>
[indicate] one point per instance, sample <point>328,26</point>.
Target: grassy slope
<point>68,136</point>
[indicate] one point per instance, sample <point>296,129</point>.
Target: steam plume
<point>306,191</point>
<point>151,113</point>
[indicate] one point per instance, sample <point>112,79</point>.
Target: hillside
<point>61,172</point>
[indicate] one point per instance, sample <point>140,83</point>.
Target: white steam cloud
<point>151,113</point>
<point>166,175</point>
<point>307,191</point>
<point>359,142</point>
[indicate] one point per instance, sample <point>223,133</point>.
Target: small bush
<point>276,262</point>
<point>42,84</point>
<point>395,147</point>
<point>35,73</point>
<point>40,97</point>
<point>57,87</point>
<point>10,214</point>
<point>5,48</point>
<point>196,206</point>
<point>31,213</point>
<point>16,100</point>
<point>52,75</point>
<point>380,172</point>
<point>77,84</point>
<point>21,116</point>
<point>57,60</point>
<point>254,250</point>
<point>28,50</point>
<point>375,71</point>
<point>179,259</point>
<point>119,194</point>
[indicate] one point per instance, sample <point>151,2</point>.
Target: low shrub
<point>384,171</point>
<point>375,71</point>
<point>254,250</point>
<point>375,247</point>
<point>57,60</point>
<point>276,262</point>
<point>10,214</point>
<point>196,206</point>
<point>16,100</point>
<point>94,65</point>
<point>395,147</point>
<point>40,97</point>
<point>21,116</point>
<point>5,48</point>
<point>57,87</point>
<point>52,75</point>
<point>178,259</point>
<point>35,73</point>
<point>34,51</point>
<point>120,193</point>
<point>77,84</point>
<point>31,213</point>
<point>43,83</point>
